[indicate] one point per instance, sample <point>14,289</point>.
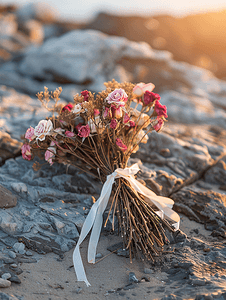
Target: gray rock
<point>6,276</point>
<point>19,248</point>
<point>4,283</point>
<point>4,296</point>
<point>12,254</point>
<point>132,278</point>
<point>7,199</point>
<point>148,271</point>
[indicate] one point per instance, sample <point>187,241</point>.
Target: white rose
<point>76,109</point>
<point>42,129</point>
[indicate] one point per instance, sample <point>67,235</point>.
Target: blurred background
<point>193,31</point>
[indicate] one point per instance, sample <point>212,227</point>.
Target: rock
<point>7,199</point>
<point>12,254</point>
<point>6,276</point>
<point>164,31</point>
<point>19,248</point>
<point>4,283</point>
<point>40,11</point>
<point>148,271</point>
<point>132,278</point>
<point>4,296</point>
<point>9,147</point>
<point>98,255</point>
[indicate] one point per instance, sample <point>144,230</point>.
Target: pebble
<point>132,278</point>
<point>4,283</point>
<point>99,255</point>
<point>79,290</point>
<point>19,248</point>
<point>13,265</point>
<point>148,271</point>
<point>6,276</point>
<point>12,254</point>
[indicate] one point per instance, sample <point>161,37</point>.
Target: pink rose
<point>126,118</point>
<point>96,112</point>
<point>107,113</point>
<point>159,125</point>
<point>84,131</point>
<point>120,144</point>
<point>118,98</point>
<point>141,88</point>
<point>116,112</point>
<point>30,134</point>
<point>67,107</point>
<point>85,94</point>
<point>131,123</point>
<point>149,97</point>
<point>113,123</point>
<point>26,151</point>
<point>42,129</point>
<point>69,133</point>
<point>160,109</point>
<point>50,155</point>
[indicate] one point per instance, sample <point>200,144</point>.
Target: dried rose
<point>42,129</point>
<point>126,118</point>
<point>84,131</point>
<point>96,112</point>
<point>120,144</point>
<point>159,125</point>
<point>50,154</point>
<point>161,110</point>
<point>69,133</point>
<point>85,94</point>
<point>107,113</point>
<point>93,124</point>
<point>141,88</point>
<point>113,123</point>
<point>116,112</point>
<point>150,97</point>
<point>76,109</point>
<point>30,134</point>
<point>26,151</point>
<point>67,107</point>
<point>118,98</point>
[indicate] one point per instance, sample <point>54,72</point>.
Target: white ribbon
<point>94,219</point>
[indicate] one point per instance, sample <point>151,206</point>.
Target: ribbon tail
<point>95,234</point>
<point>77,260</point>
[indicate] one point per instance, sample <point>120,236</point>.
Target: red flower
<point>149,97</point>
<point>159,125</point>
<point>126,118</point>
<point>83,131</point>
<point>85,94</point>
<point>113,123</point>
<point>120,144</point>
<point>160,109</point>
<point>67,107</point>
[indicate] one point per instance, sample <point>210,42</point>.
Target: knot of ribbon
<point>94,219</point>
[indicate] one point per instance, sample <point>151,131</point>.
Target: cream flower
<point>42,129</point>
<point>95,126</point>
<point>76,109</point>
<point>141,88</point>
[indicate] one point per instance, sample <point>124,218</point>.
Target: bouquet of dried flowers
<point>97,133</point>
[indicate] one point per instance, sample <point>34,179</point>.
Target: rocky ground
<point>42,212</point>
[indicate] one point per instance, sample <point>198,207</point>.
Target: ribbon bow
<point>94,219</point>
